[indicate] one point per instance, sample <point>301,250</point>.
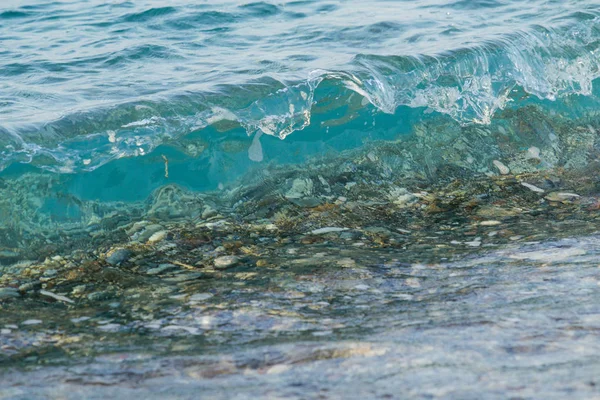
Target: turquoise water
<point>85,84</point>
<point>408,190</point>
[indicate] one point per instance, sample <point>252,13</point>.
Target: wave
<point>469,85</point>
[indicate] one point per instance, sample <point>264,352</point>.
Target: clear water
<point>122,119</point>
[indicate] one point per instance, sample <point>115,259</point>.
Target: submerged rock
<point>561,196</point>
<point>118,256</point>
<point>9,293</point>
<point>503,169</point>
<point>225,262</point>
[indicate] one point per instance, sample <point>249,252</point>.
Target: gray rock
<point>186,277</point>
<point>49,273</point>
<point>307,202</point>
<point>208,212</point>
<point>225,262</point>
<point>118,256</point>
<point>201,296</point>
<point>161,268</point>
<point>157,236</point>
<point>8,293</point>
<point>29,286</point>
<point>97,296</point>
<point>148,232</point>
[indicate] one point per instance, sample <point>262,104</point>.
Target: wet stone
<point>29,286</point>
<point>118,256</point>
<point>306,202</point>
<point>158,236</point>
<point>185,277</point>
<point>200,296</point>
<point>9,293</point>
<point>161,268</point>
<point>98,296</point>
<point>50,273</point>
<point>148,232</point>
<point>225,262</point>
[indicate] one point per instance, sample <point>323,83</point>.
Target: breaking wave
<point>468,85</point>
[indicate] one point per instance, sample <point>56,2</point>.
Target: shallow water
<point>302,199</point>
<point>519,322</point>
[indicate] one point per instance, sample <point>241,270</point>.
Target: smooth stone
<point>9,293</point>
<point>533,153</point>
<point>185,277</point>
<point>561,196</point>
<point>56,296</point>
<point>148,232</point>
<point>225,262</point>
<point>532,187</point>
<point>329,229</point>
<point>26,287</point>
<point>161,268</point>
<point>208,212</point>
<point>49,273</point>
<point>549,255</point>
<point>32,322</point>
<point>300,188</point>
<point>489,223</point>
<point>97,296</point>
<point>157,236</point>
<point>201,297</point>
<point>307,202</point>
<point>118,256</point>
<point>503,169</point>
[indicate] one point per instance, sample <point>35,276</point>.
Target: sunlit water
<point>409,188</point>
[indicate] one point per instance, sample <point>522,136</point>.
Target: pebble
<point>161,268</point>
<point>549,255</point>
<point>8,293</point>
<point>118,256</point>
<point>322,231</point>
<point>503,169</point>
<point>490,223</point>
<point>262,263</point>
<point>97,296</point>
<point>306,202</point>
<point>157,236</point>
<point>201,296</point>
<point>561,196</point>
<point>26,287</point>
<point>148,232</point>
<point>225,262</point>
<point>49,273</point>
<point>31,322</point>
<point>533,153</point>
<point>533,187</point>
<point>185,277</point>
<point>300,188</point>
<point>208,212</point>
<point>56,296</point>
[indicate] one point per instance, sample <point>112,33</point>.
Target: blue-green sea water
<point>299,199</point>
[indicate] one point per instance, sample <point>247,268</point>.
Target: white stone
<point>56,296</point>
<point>532,187</point>
<point>490,223</point>
<point>329,229</point>
<point>31,322</point>
<point>549,255</point>
<point>503,169</point>
<point>300,188</point>
<point>561,196</point>
<point>201,296</point>
<point>157,237</point>
<point>225,262</point>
